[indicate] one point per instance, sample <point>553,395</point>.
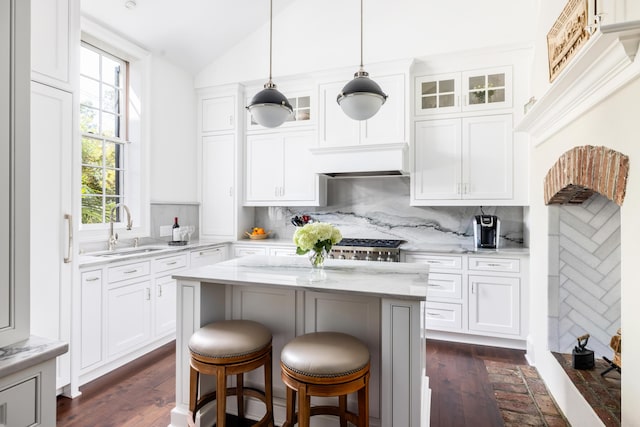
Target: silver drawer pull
<point>92,279</point>
<point>209,252</point>
<point>171,263</point>
<point>434,314</point>
<point>493,264</point>
<point>434,262</point>
<point>130,271</point>
<point>434,285</point>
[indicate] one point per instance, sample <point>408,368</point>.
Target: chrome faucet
<point>113,238</point>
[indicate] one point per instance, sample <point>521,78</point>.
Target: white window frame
<point>136,161</point>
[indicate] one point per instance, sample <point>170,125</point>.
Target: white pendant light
<point>269,107</point>
<point>361,98</point>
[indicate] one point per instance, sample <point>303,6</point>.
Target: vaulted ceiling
<point>189,33</point>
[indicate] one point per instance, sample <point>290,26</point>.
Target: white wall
<point>173,153</point>
<point>311,35</point>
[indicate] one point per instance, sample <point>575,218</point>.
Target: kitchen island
<point>380,303</point>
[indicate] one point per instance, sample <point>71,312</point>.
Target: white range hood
<point>362,160</point>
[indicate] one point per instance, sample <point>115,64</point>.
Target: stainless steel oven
<point>386,250</point>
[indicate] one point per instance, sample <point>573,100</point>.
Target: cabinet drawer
<point>18,404</point>
<point>129,271</point>
<point>208,256</point>
<point>444,316</point>
<point>89,277</point>
<point>283,251</point>
<point>506,265</point>
<point>442,285</point>
<point>445,262</point>
<point>239,251</point>
<point>170,263</point>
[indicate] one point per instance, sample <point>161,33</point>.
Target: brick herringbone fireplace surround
<point>583,171</point>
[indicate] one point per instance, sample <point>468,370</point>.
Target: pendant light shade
<point>361,98</point>
<point>269,107</point>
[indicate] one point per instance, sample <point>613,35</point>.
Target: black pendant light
<point>269,107</point>
<point>361,98</point>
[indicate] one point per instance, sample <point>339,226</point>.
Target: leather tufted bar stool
<point>231,347</point>
<point>325,364</point>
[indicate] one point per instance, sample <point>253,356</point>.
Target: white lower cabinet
<point>91,318</point>
<point>127,309</point>
<point>471,297</point>
<point>494,304</point>
<point>128,317</point>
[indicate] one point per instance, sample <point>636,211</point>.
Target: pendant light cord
<point>270,37</point>
<point>361,36</point>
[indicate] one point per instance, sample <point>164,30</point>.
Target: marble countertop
<point>27,353</point>
<point>396,280</point>
<point>92,259</point>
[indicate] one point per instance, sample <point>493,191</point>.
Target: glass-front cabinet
<point>487,89</point>
<point>463,91</point>
<point>438,94</point>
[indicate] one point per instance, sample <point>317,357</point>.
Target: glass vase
<point>317,258</point>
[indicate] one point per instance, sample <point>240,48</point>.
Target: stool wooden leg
<point>268,388</point>
<point>194,376</point>
<point>240,395</point>
<point>221,394</point>
<point>304,407</point>
<point>291,407</point>
<point>342,404</point>
<point>363,406</point>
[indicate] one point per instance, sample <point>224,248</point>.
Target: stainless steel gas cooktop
<point>367,249</point>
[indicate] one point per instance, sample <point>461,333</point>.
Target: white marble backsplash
<point>379,208</point>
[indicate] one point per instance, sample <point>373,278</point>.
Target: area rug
<point>523,398</point>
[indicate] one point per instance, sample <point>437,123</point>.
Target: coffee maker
<point>486,231</point>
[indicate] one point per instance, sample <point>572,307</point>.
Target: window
<point>103,125</point>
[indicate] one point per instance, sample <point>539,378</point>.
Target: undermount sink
<point>127,251</point>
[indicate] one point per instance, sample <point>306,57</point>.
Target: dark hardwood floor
<point>142,393</point>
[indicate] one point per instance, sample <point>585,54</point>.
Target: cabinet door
<point>265,166</point>
<point>437,160</point>
<point>240,251</point>
<point>218,114</point>
<point>128,317</point>
<point>487,155</point>
<point>50,41</point>
<point>487,89</point>
<point>299,182</point>
<point>165,306</point>
<point>218,182</point>
<point>437,94</point>
<point>51,184</point>
<point>335,128</point>
<point>19,404</point>
<point>389,123</point>
<point>91,318</point>
<point>494,304</point>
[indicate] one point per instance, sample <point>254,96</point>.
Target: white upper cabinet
<point>463,161</point>
<point>218,186</point>
<point>389,125</point>
<point>467,91</point>
<point>54,37</point>
<point>218,114</point>
<point>279,170</point>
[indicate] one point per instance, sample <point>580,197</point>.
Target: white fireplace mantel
<point>604,64</point>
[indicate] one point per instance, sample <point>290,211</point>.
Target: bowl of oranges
<point>257,233</point>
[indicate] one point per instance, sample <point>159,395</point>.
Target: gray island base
<point>383,304</point>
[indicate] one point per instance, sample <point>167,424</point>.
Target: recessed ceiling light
<point>130,4</point>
